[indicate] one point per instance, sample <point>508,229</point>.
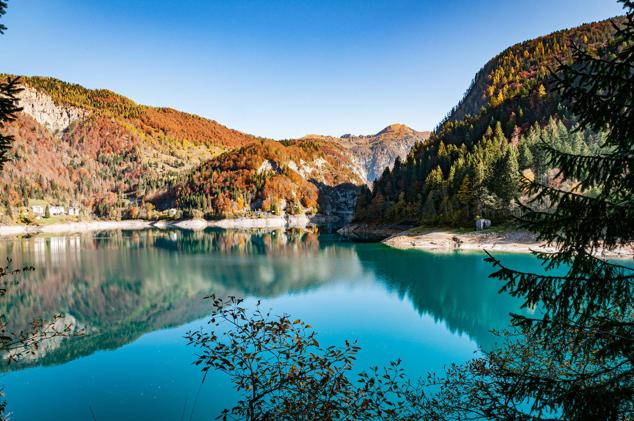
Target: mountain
<point>73,144</point>
<point>308,175</point>
<point>470,165</point>
<point>116,158</point>
<point>295,177</point>
<point>374,153</point>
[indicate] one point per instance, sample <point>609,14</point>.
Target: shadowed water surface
<point>136,294</point>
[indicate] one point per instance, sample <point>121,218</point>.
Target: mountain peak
<point>396,129</point>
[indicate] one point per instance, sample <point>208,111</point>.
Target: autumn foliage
<point>266,176</point>
<point>116,157</point>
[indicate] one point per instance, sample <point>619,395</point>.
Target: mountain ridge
<point>470,166</point>
<point>116,157</point>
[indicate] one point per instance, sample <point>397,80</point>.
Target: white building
<point>73,211</point>
<point>56,210</point>
<point>482,224</point>
<point>37,210</point>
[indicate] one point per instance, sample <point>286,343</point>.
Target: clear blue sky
<point>282,68</point>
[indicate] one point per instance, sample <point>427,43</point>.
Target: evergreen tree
<point>498,134</point>
<point>9,107</point>
<point>525,156</point>
<point>8,102</point>
<point>540,160</point>
<point>576,359</point>
<point>508,176</point>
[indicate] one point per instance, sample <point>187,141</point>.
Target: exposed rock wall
<point>371,154</point>
<point>50,115</point>
<point>377,156</point>
<point>338,201</point>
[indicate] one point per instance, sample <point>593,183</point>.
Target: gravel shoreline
<point>500,241</point>
<point>73,227</point>
<point>272,222</point>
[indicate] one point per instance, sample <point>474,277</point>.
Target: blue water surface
<point>137,293</point>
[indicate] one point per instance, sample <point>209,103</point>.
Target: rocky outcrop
<point>196,224</point>
<point>338,201</point>
<point>269,166</point>
<point>377,152</point>
<point>41,107</point>
<point>371,154</point>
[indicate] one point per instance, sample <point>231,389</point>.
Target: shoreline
<point>270,222</point>
<point>439,241</point>
<point>70,227</point>
<point>432,240</point>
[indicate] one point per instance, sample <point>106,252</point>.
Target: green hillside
<point>471,165</point>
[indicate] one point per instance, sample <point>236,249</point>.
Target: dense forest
<point>268,176</point>
<point>495,137</point>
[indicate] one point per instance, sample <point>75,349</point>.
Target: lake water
<point>136,294</point>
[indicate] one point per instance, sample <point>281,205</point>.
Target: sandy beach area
<point>501,241</point>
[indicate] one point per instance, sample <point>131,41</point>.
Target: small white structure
<point>73,211</point>
<point>482,224</point>
<point>56,210</point>
<point>37,210</point>
<point>172,212</point>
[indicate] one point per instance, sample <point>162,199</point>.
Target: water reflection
<point>119,285</point>
<point>452,288</point>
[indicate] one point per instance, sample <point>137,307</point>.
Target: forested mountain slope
<point>295,176</point>
<point>470,165</point>
<point>116,158</point>
<point>308,175</point>
<point>100,149</point>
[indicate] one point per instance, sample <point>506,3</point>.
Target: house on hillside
<point>37,210</point>
<point>56,210</point>
<point>73,211</point>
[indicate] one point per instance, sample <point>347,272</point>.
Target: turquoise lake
<point>137,293</point>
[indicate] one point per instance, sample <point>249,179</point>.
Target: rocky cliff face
<point>338,201</point>
<point>379,151</point>
<point>371,154</point>
<point>41,107</point>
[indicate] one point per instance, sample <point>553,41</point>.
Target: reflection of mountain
<point>120,285</point>
<point>265,264</point>
<point>453,288</point>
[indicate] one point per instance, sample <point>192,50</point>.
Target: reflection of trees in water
<point>240,243</point>
<point>119,285</point>
<point>453,288</point>
<point>263,264</point>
